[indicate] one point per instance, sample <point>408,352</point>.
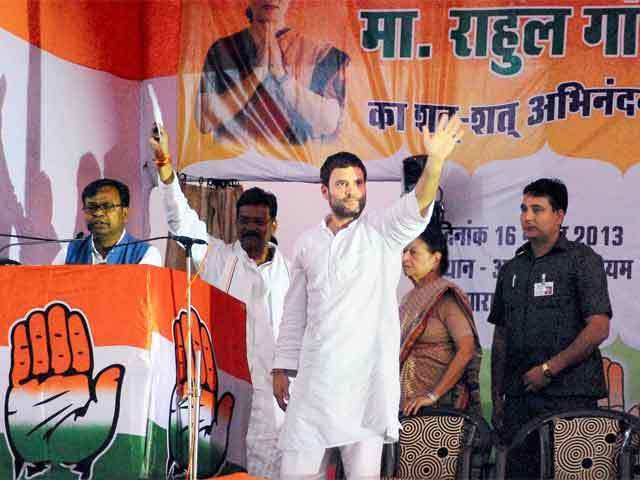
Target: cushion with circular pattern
<point>429,447</point>
<point>587,448</point>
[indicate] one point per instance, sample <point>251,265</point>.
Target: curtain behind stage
<point>216,206</point>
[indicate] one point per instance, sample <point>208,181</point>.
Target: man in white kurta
<point>340,330</point>
<point>261,285</point>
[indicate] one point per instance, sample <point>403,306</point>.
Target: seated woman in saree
<point>440,352</point>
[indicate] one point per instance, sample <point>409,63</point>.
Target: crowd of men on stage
<point>323,333</point>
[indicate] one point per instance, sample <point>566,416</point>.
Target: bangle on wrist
<point>546,370</point>
<point>433,397</point>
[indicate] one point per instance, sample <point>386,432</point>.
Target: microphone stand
<point>40,240</point>
<point>26,237</point>
<point>193,377</point>
<point>25,244</point>
<point>35,240</point>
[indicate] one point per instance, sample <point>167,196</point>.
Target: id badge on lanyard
<point>543,288</point>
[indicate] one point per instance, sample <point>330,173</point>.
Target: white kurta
<point>262,288</point>
<point>341,329</point>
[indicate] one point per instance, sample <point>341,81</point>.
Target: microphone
<point>36,240</point>
<point>186,240</point>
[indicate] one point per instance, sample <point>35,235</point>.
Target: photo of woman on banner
<point>271,83</point>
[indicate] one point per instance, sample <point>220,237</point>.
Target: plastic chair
<point>580,444</point>
<point>442,444</point>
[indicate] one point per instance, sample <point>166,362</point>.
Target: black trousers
<point>524,462</point>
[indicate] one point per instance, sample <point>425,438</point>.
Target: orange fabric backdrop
<point>443,79</point>
<point>130,39</point>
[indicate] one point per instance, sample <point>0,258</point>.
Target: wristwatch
<point>546,370</point>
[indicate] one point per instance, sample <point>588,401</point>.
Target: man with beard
<point>340,332</point>
<point>106,209</point>
<point>253,270</point>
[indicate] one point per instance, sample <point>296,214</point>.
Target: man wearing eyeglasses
<point>106,209</point>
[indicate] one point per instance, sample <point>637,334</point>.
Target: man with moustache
<point>253,270</point>
<point>270,82</point>
<point>551,310</point>
<point>106,209</point>
<point>340,332</point>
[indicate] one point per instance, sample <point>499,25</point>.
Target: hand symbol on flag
<point>56,412</point>
<point>215,412</point>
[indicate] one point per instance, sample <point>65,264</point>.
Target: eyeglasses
<point>96,207</point>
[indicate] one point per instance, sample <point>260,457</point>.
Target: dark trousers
<point>524,462</point>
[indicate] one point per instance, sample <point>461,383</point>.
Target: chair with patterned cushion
<point>580,445</point>
<point>443,444</point>
<point>635,411</point>
<point>614,377</point>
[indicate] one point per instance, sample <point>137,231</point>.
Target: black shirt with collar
<point>543,303</point>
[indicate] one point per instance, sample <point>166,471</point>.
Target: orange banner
<point>297,80</point>
<point>96,373</point>
<point>125,305</point>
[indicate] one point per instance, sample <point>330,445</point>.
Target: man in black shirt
<point>551,311</point>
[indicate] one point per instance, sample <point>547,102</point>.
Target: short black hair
<point>258,196</point>
<point>340,160</point>
<point>92,189</point>
<point>437,242</point>
<point>552,188</point>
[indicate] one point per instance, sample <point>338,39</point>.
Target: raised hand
<point>438,147</point>
<point>215,412</point>
<point>56,412</point>
<point>159,142</point>
<point>440,144</point>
